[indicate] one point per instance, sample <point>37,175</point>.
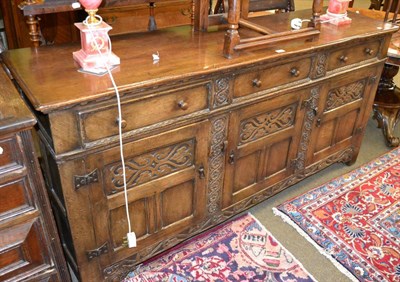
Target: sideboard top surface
<point>49,76</point>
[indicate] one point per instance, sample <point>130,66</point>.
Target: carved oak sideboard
<point>204,137</point>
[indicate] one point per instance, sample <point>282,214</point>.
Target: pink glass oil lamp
<point>95,55</point>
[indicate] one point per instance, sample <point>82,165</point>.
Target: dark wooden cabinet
<point>166,190</point>
<point>204,137</point>
<point>54,28</point>
<point>52,21</point>
<point>30,248</point>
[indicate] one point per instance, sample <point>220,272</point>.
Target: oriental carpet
<point>354,220</point>
<point>238,250</point>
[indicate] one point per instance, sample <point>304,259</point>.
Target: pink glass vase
<point>91,8</point>
<point>90,4</point>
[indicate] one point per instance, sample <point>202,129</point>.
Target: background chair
<point>256,6</point>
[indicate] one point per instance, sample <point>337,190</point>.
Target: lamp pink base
<point>336,20</point>
<point>88,57</point>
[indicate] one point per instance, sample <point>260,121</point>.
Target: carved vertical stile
<point>319,66</point>
<point>309,117</point>
<point>216,163</point>
<point>221,93</point>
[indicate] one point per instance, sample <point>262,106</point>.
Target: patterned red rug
<point>239,250</point>
<point>355,219</point>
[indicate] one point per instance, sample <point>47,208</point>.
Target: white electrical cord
<point>85,22</point>
<point>296,23</point>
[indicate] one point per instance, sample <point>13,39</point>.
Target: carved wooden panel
<point>344,95</point>
<point>264,124</point>
<point>149,166</point>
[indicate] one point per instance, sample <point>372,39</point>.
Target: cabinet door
<point>262,141</point>
<point>343,108</point>
<point>166,191</point>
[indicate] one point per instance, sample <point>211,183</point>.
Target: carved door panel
<point>166,190</point>
<point>339,115</point>
<point>262,142</point>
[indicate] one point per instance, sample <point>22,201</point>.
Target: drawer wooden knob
<point>183,105</point>
<point>123,123</point>
<point>1,150</point>
<point>369,51</point>
<point>295,72</point>
<point>257,82</point>
<point>343,59</point>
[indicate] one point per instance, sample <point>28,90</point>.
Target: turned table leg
<point>232,37</point>
<point>387,104</point>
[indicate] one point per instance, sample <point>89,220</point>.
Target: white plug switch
<point>76,5</point>
<point>131,239</point>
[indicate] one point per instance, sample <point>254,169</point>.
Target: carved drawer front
<point>166,180</point>
<point>255,81</point>
<point>23,252</point>
<point>262,141</point>
<point>143,112</point>
<point>353,54</point>
<point>15,198</point>
<point>10,155</point>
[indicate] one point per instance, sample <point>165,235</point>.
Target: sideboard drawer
<point>23,253</point>
<point>141,113</point>
<point>255,81</point>
<point>351,55</point>
<point>15,198</point>
<point>9,153</point>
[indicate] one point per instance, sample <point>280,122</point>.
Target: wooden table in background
<point>387,99</point>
